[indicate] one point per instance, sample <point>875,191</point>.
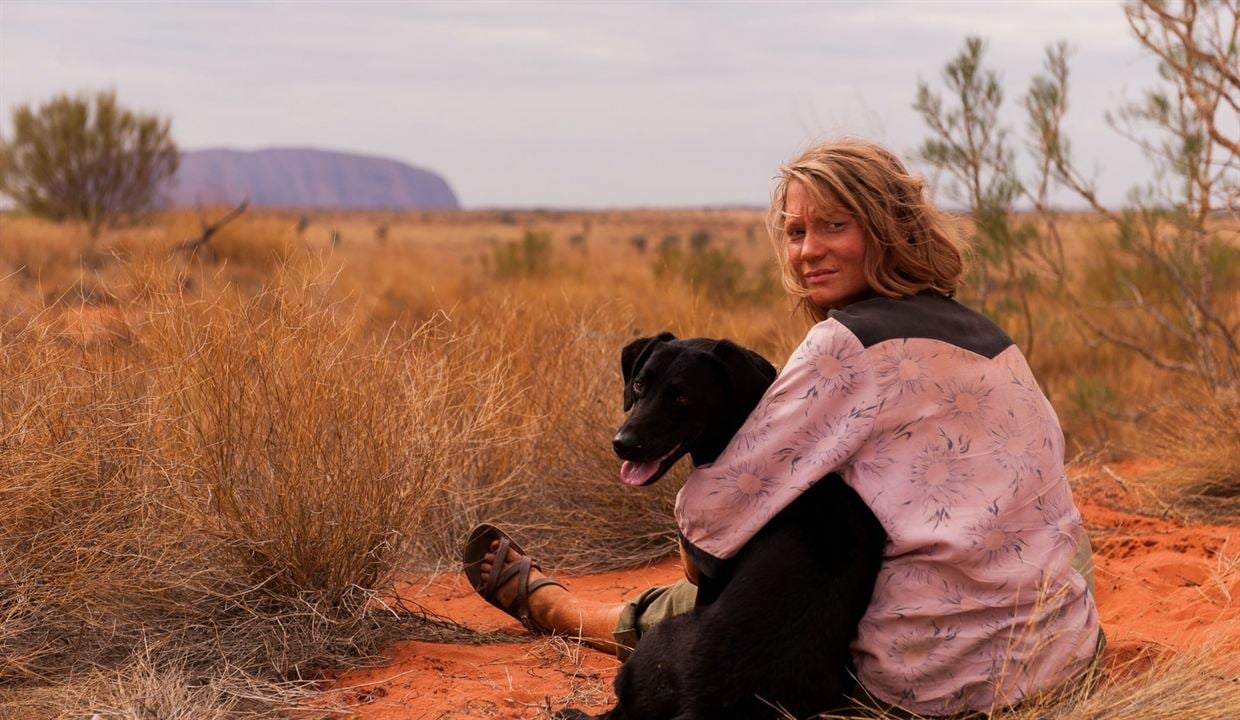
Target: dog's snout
<point>625,442</point>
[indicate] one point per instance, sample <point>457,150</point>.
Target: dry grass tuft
<point>231,487</point>
<point>1203,684</point>
<point>1198,439</point>
<point>582,687</point>
<point>146,689</point>
<point>561,397</point>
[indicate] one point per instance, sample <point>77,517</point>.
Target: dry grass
<point>228,485</point>
<point>1200,684</point>
<point>1197,438</point>
<point>212,466</point>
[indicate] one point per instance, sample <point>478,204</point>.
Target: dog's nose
<point>625,442</point>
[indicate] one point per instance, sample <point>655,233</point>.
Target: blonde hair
<point>908,244</point>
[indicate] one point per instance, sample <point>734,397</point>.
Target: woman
<point>927,410</point>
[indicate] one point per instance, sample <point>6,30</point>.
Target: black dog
<point>772,630</point>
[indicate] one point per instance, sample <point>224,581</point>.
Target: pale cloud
<point>563,104</point>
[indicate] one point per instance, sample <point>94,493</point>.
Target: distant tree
<point>970,145</point>
<point>87,159</point>
<point>1176,274</point>
<point>1180,230</point>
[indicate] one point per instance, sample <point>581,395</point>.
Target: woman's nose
<point>812,247</point>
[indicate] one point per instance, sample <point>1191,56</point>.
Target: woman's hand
<point>691,570</point>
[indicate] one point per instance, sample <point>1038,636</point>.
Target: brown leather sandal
<point>476,547</point>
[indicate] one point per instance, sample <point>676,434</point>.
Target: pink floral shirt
<point>954,447</point>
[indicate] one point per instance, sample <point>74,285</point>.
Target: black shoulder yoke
<point>925,315</point>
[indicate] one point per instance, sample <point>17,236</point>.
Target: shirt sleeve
<point>812,420</point>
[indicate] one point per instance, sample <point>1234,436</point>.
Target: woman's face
<point>827,249</point>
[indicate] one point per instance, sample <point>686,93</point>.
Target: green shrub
<point>715,272</point>
<point>528,257</point>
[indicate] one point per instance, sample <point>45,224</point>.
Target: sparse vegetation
<point>528,257</point>
<point>87,159</point>
<point>718,273</point>
<point>254,443</point>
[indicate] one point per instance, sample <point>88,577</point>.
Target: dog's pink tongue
<point>636,474</point>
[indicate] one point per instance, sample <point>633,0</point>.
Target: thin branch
<point>1140,303</point>
<point>190,247</point>
<point>1137,347</point>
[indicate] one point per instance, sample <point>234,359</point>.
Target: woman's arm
<point>812,420</point>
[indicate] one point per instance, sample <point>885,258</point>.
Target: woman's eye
<point>836,226</point>
<point>795,233</point>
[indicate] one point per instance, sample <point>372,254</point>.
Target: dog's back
<point>778,633</point>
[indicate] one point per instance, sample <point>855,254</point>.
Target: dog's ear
<point>749,372</point>
<point>633,356</point>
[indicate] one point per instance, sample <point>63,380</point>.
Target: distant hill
<point>303,177</point>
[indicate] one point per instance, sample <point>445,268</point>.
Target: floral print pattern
<point>960,457</point>
<point>835,364</point>
<point>746,485</point>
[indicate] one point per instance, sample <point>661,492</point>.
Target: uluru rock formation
<point>307,178</point>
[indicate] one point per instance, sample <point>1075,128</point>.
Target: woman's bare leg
<point>556,608</point>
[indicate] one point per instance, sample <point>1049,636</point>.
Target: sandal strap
<point>503,571</point>
<point>541,582</point>
<point>522,608</point>
<point>524,614</point>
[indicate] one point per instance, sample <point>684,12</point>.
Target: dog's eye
<point>638,387</point>
<point>682,400</point>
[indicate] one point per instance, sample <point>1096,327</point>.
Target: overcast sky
<point>566,104</point>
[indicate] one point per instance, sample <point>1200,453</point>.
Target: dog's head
<point>683,396</point>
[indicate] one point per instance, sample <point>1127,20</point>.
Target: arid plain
<point>234,475</point>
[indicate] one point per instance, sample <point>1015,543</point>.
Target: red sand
<point>1160,583</point>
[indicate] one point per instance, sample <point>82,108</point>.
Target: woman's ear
<point>633,356</point>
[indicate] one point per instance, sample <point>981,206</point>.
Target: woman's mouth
<point>814,277</point>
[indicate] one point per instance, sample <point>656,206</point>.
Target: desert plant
<point>231,487</point>
<point>562,407</point>
<point>717,273</point>
<point>88,159</point>
<point>305,443</point>
<point>528,257</point>
<point>1161,282</point>
<point>1177,238</point>
<point>970,144</point>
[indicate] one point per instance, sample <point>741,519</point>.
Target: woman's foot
<point>515,584</point>
<point>541,597</point>
<point>506,577</point>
